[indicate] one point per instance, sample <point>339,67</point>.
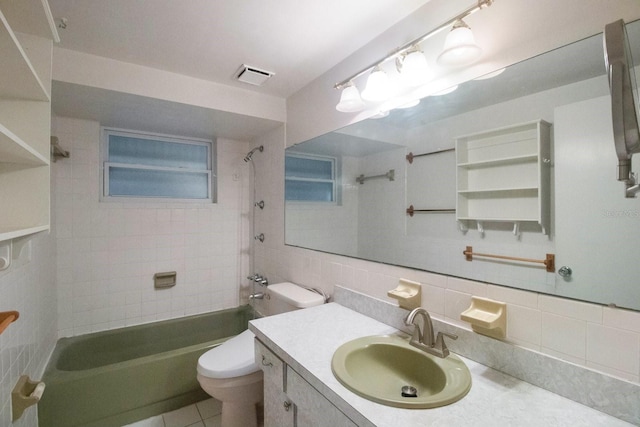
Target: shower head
<point>250,153</point>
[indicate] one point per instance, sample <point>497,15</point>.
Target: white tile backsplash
<point>622,319</point>
<point>524,326</point>
<point>564,334</point>
<point>614,348</point>
<point>574,309</point>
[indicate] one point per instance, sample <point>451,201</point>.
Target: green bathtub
<point>116,377</point>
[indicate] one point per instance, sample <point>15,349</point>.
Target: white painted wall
<point>89,70</point>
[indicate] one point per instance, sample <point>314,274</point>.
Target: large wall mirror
<point>361,184</point>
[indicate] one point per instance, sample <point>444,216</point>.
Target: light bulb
<point>460,47</point>
<point>415,69</point>
<point>350,100</point>
<point>378,86</point>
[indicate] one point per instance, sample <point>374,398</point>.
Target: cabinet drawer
<point>270,364</point>
<point>312,408</point>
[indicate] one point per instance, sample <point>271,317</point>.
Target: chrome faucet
<point>262,281</point>
<point>423,338</point>
<point>257,295</point>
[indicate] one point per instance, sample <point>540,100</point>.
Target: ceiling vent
<point>252,75</point>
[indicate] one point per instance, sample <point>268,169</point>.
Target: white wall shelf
<point>8,233</point>
<point>14,150</point>
<point>496,162</point>
<point>19,79</point>
<point>503,175</point>
<point>26,33</point>
<point>30,16</point>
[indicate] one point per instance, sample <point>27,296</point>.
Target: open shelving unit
<point>27,30</point>
<point>502,175</point>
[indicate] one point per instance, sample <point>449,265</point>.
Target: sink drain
<point>408,391</point>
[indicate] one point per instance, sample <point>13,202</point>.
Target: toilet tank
<point>287,296</point>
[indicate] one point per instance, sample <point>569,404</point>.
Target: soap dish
<point>487,317</point>
<point>408,294</point>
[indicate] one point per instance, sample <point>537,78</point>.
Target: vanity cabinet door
<point>312,409</point>
<point>278,409</point>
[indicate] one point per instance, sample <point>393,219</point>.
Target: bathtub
<point>116,377</point>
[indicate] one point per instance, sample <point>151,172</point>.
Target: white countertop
<point>306,340</point>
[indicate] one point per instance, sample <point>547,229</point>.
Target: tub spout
<point>257,295</point>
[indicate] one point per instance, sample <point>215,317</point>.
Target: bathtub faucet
<point>262,281</point>
<point>257,295</point>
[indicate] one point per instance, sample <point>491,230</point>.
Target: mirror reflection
<point>470,168</point>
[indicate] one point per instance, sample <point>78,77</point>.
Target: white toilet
<point>229,371</point>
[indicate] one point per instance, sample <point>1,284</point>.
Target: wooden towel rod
<point>549,261</point>
<point>6,318</point>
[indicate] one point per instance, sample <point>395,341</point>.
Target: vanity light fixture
<point>350,100</point>
<point>413,67</point>
<point>460,47</point>
<point>378,86</point>
<point>411,63</point>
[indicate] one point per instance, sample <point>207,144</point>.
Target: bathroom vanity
<point>295,351</point>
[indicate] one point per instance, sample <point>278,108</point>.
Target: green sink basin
<point>378,367</point>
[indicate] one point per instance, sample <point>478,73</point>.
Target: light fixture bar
<point>399,51</point>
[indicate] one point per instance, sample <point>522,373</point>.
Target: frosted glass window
<point>155,183</point>
<point>310,178</point>
<point>307,167</point>
<point>125,149</point>
<point>147,166</point>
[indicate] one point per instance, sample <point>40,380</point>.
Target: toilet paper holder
<point>25,393</point>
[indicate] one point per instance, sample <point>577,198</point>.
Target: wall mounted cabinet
<point>26,34</point>
<point>503,175</point>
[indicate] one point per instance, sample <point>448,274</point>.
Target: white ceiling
<point>299,40</point>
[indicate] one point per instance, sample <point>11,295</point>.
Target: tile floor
<point>201,414</point>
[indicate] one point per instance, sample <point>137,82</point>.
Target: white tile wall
<point>28,287</point>
<point>603,338</point>
<point>108,252</point>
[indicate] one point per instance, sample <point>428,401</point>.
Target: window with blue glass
<point>147,166</point>
<point>310,178</point>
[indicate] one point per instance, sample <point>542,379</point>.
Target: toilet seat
<point>233,358</point>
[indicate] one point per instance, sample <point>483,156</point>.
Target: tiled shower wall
<point>603,338</point>
<point>108,252</point>
<point>28,287</point>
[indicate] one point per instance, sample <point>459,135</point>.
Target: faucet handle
<point>441,346</point>
<point>447,334</point>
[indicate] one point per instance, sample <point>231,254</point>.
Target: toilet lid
<point>233,358</point>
